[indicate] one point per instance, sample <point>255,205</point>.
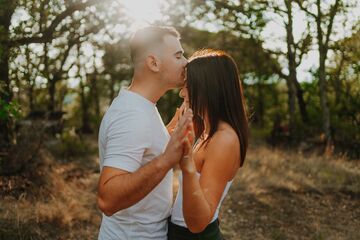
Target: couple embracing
<point>207,137</point>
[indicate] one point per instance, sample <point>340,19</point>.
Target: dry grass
<point>286,195</point>
<point>63,208</point>
<point>276,195</point>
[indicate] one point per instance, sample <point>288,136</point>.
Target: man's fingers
<point>185,119</point>
<point>178,113</point>
<point>185,130</point>
<point>182,108</point>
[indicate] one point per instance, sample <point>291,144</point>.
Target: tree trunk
<point>301,102</point>
<point>112,88</point>
<point>260,105</point>
<point>51,90</point>
<point>323,98</point>
<point>95,91</point>
<point>337,80</point>
<point>29,80</point>
<point>85,126</point>
<point>31,97</point>
<point>50,82</point>
<point>323,48</point>
<point>292,70</point>
<point>6,126</point>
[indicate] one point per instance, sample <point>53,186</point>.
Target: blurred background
<point>62,62</point>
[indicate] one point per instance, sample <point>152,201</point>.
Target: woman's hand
<point>187,163</point>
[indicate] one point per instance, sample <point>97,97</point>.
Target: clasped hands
<point>186,163</point>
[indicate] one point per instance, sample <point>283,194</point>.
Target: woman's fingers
<point>188,147</point>
<point>191,134</point>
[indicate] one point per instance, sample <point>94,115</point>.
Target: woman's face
<point>185,95</point>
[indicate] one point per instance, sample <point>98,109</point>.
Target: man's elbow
<point>105,207</point>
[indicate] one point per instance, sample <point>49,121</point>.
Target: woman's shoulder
<point>225,135</point>
<point>224,144</point>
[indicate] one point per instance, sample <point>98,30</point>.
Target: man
<point>136,155</point>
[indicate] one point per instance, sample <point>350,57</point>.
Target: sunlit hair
<point>148,37</point>
<point>215,89</point>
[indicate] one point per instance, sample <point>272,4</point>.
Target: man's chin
<point>181,84</point>
<point>178,84</point>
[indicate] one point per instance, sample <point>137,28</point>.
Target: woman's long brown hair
<point>215,89</point>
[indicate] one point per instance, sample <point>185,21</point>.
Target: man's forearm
<point>122,191</point>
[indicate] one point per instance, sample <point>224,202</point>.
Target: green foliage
<point>167,105</point>
<point>69,146</point>
<point>1,48</point>
<point>9,111</point>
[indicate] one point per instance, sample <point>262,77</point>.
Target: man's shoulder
<point>125,117</point>
<point>121,107</point>
<point>126,113</point>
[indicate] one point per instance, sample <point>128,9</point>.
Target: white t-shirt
<point>132,134</point>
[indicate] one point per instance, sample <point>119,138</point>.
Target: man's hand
<point>119,189</point>
<point>175,148</point>
<point>174,121</point>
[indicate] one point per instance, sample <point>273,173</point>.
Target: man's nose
<point>185,61</point>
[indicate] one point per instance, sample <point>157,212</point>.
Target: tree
<point>117,67</point>
<point>344,85</point>
<point>6,94</point>
<point>294,54</point>
<point>324,21</point>
<point>45,30</point>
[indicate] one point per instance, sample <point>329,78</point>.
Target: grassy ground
<point>286,195</point>
<point>276,195</point>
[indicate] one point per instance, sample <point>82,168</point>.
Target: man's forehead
<point>173,43</point>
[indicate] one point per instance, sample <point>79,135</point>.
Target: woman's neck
<point>206,125</point>
<point>221,125</point>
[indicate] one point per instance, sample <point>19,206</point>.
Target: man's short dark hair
<point>148,37</point>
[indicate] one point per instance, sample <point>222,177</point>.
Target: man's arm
<point>119,189</point>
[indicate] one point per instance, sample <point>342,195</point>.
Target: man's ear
<point>153,63</point>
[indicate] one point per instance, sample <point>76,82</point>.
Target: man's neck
<point>149,89</point>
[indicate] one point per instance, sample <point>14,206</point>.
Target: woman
<point>213,91</point>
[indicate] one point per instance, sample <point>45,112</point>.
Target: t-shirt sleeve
<point>128,136</point>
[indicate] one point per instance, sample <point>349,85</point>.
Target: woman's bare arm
<point>201,196</point>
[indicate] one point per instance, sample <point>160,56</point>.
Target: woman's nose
<point>182,93</point>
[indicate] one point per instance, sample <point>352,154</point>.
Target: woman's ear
<point>153,63</point>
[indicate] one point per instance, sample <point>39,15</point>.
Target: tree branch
<point>305,9</point>
<point>47,34</point>
<point>333,11</point>
<point>277,53</point>
<point>303,44</point>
